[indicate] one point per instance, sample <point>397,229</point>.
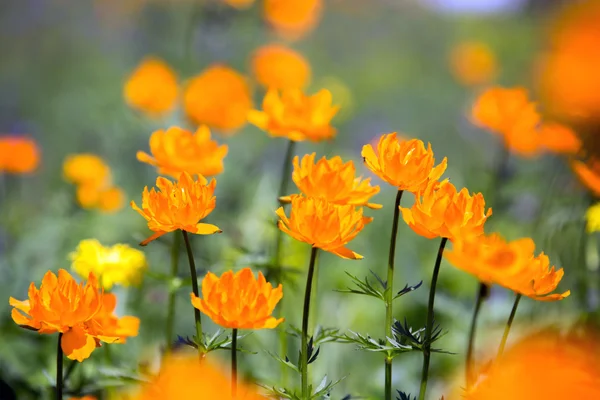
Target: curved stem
<point>197,317</point>
<point>481,295</point>
<point>234,337</point>
<point>513,312</point>
<point>429,326</point>
<point>389,294</point>
<point>59,369</point>
<point>172,292</point>
<point>305,315</point>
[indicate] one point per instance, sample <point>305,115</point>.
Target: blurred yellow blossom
<point>592,216</point>
<point>152,87</point>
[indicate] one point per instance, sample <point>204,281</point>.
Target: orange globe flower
<point>18,155</point>
<point>219,97</point>
<point>441,211</point>
<point>588,174</point>
<point>86,168</point>
<point>152,87</point>
<point>292,18</point>
<point>403,163</point>
<point>510,264</point>
<point>239,301</point>
<point>296,116</point>
<point>559,139</point>
<point>473,63</point>
<point>178,205</point>
<point>82,313</point>
<point>332,180</point>
<point>177,150</point>
<point>279,67</point>
<point>323,225</point>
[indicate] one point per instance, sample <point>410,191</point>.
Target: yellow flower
<point>118,264</point>
<point>593,218</point>
<point>152,87</point>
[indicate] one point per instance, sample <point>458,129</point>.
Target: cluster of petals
<point>473,63</point>
<point>152,87</point>
<point>406,164</point>
<point>18,155</point>
<point>178,205</point>
<point>323,225</point>
<point>511,264</point>
<point>239,300</point>
<point>81,312</point>
<point>293,19</point>
<point>296,116</point>
<point>178,150</point>
<point>275,66</point>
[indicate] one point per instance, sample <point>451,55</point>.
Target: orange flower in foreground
<point>296,116</point>
<point>559,138</point>
<point>332,180</point>
<point>441,211</point>
<point>588,174</point>
<point>323,225</point>
<point>177,150</point>
<point>82,313</point>
<point>293,18</point>
<point>219,97</point>
<point>239,301</point>
<point>152,87</point>
<point>178,205</point>
<point>279,67</point>
<point>403,163</point>
<point>473,63</point>
<point>510,264</point>
<point>18,155</point>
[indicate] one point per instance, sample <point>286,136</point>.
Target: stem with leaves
<point>234,337</point>
<point>481,295</point>
<point>172,292</point>
<point>305,316</point>
<point>59,368</point>
<point>195,290</point>
<point>513,312</point>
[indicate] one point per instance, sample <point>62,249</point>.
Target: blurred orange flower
<point>293,19</point>
<point>403,163</point>
<point>323,225</point>
<point>219,97</point>
<point>239,3</point>
<point>332,180</point>
<point>82,313</point>
<point>111,200</point>
<point>473,63</point>
<point>559,138</point>
<point>239,301</point>
<point>441,211</point>
<point>296,116</point>
<point>177,150</point>
<point>279,67</point>
<point>18,155</point>
<point>152,87</point>
<point>588,174</point>
<point>178,205</point>
<point>510,264</point>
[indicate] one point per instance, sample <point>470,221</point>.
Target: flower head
<point>441,211</point>
<point>332,180</point>
<point>239,301</point>
<point>18,155</point>
<point>82,313</point>
<point>178,205</point>
<point>296,116</point>
<point>403,163</point>
<point>279,67</point>
<point>592,216</point>
<point>152,87</point>
<point>118,264</point>
<point>473,63</point>
<point>177,150</point>
<point>323,225</point>
<point>559,139</point>
<point>219,97</point>
<point>293,19</point>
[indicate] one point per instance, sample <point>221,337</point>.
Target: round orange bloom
<point>18,155</point>
<point>239,301</point>
<point>86,168</point>
<point>559,138</point>
<point>240,4</point>
<point>332,180</point>
<point>473,63</point>
<point>293,18</point>
<point>152,87</point>
<point>111,200</point>
<point>510,264</point>
<point>403,163</point>
<point>178,205</point>
<point>82,313</point>
<point>177,150</point>
<point>588,174</point>
<point>279,67</point>
<point>441,211</point>
<point>296,116</point>
<point>323,225</point>
<point>219,97</point>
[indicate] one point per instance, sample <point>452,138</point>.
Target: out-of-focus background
<point>391,65</point>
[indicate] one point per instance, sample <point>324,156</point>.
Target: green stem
<point>234,337</point>
<point>196,292</point>
<point>482,293</point>
<point>389,294</point>
<point>305,315</point>
<point>513,312</point>
<point>429,326</point>
<point>172,291</point>
<point>59,369</point>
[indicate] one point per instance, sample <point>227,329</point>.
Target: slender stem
<point>305,315</point>
<point>59,369</point>
<point>429,326</point>
<point>513,312</point>
<point>389,294</point>
<point>197,316</point>
<point>172,292</point>
<point>482,293</point>
<point>234,337</point>
<point>69,371</point>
